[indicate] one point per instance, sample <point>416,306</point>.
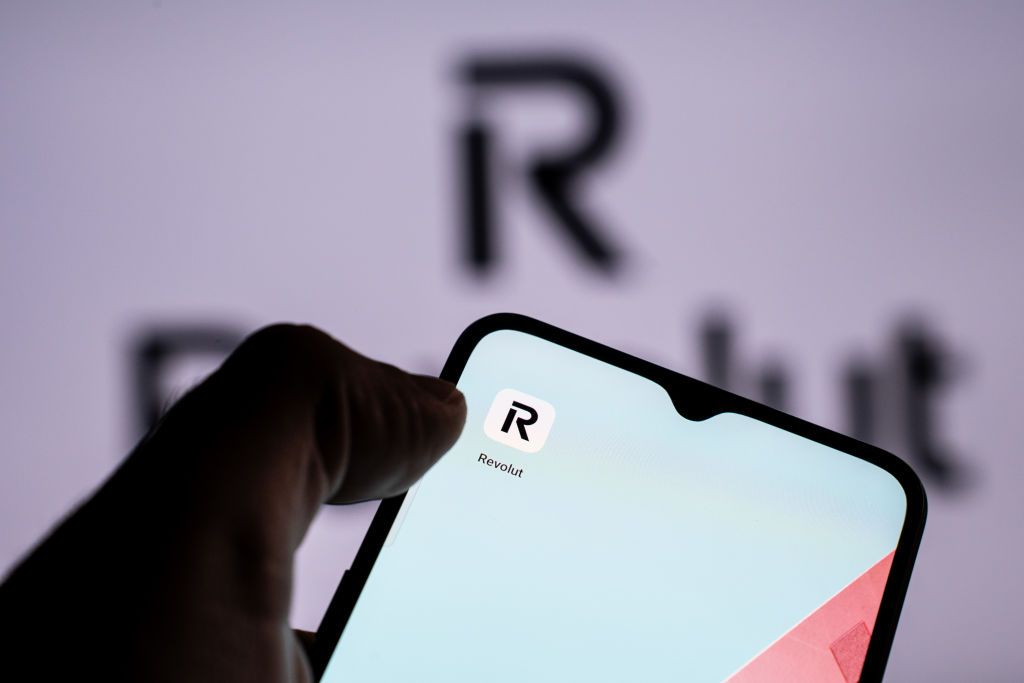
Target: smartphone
<point>605,519</point>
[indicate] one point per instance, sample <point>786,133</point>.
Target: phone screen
<point>582,529</point>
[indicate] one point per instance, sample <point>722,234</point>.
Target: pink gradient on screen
<point>829,646</point>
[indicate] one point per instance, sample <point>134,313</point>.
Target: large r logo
<point>554,175</point>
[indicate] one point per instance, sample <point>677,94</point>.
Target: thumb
<point>294,418</point>
<point>191,541</point>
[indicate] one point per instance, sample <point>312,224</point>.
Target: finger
<point>306,639</point>
<point>294,418</point>
<point>192,540</point>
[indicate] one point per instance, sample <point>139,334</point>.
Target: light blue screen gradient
<point>637,545</point>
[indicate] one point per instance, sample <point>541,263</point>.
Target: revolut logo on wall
<point>553,175</point>
<point>519,420</point>
<point>890,399</point>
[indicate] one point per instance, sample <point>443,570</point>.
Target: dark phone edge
<point>695,400</point>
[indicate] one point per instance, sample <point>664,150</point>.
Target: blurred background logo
<point>554,175</point>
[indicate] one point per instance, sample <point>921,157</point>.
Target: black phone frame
<point>693,399</point>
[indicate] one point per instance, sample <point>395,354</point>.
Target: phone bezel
<point>695,400</point>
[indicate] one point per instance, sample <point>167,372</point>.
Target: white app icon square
<point>519,420</point>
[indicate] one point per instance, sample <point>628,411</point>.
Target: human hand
<point>179,568</point>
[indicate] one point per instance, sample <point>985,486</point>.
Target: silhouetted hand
<point>180,567</point>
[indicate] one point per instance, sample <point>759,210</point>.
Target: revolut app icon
<point>519,420</point>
